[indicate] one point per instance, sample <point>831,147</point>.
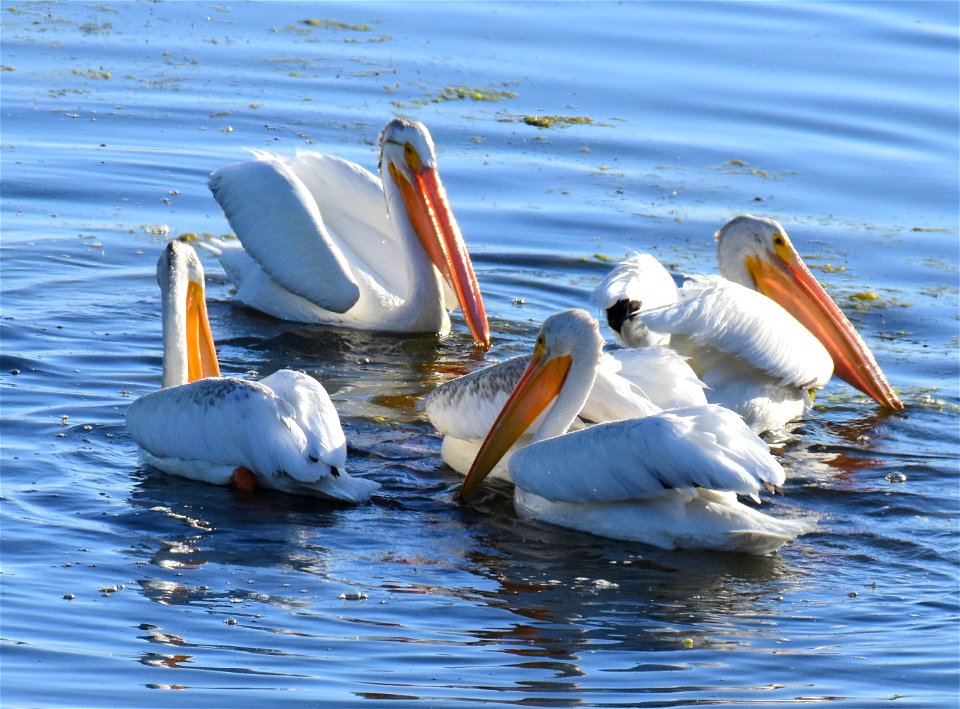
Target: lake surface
<point>122,587</point>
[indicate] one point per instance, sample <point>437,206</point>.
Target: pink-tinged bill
<point>434,223</point>
<point>790,283</point>
<point>539,384</point>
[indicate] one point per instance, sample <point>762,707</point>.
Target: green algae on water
<point>559,121</point>
<point>327,24</point>
<point>459,93</point>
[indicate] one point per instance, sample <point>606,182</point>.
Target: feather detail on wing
<point>708,447</point>
<point>309,405</point>
<point>724,316</point>
<point>466,407</point>
<point>662,375</point>
<point>279,224</point>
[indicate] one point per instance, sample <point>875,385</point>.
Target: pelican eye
<point>781,245</point>
<point>412,157</point>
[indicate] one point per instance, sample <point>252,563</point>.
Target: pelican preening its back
<point>323,240</point>
<point>281,432</point>
<point>761,337</point>
<point>669,478</point>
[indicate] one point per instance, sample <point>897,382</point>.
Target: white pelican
<point>322,240</point>
<point>281,432</point>
<point>635,383</point>
<point>669,479</point>
<point>763,337</point>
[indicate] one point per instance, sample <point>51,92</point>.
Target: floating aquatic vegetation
<point>327,24</point>
<point>739,167</point>
<point>459,93</point>
<point>560,121</point>
<point>92,73</point>
<point>827,267</point>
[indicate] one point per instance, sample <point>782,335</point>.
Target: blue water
<point>121,587</point>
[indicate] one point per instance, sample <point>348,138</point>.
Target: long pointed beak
<point>201,353</point>
<point>790,283</point>
<point>433,220</point>
<point>539,384</point>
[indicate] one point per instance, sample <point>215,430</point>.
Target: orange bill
<point>201,353</point>
<point>539,385</point>
<point>788,281</point>
<point>434,223</point>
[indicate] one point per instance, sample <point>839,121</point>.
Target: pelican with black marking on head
<point>763,336</point>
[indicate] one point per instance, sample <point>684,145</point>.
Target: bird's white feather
<point>643,282</point>
<point>219,424</point>
<point>309,405</point>
<point>693,518</point>
<point>662,375</point>
<point>278,222</point>
<point>718,314</point>
<point>708,447</point>
<point>467,406</point>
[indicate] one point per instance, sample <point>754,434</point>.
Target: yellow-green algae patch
<point>826,267</point>
<point>459,93</point>
<point>739,167</point>
<point>328,24</point>
<point>560,121</point>
<point>92,73</point>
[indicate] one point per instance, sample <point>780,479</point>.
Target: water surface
<point>123,587</point>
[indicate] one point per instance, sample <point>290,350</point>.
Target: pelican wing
<point>354,210</point>
<point>724,316</point>
<point>705,447</point>
<point>221,420</point>
<point>466,407</point>
<point>662,375</point>
<point>280,224</point>
<point>310,406</point>
<point>227,423</point>
<point>642,278</point>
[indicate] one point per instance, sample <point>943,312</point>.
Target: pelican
<point>281,432</point>
<point>322,240</point>
<point>763,336</point>
<point>633,383</point>
<point>669,479</point>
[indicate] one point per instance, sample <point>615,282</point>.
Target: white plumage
<point>632,383</point>
<point>754,356</point>
<point>283,430</point>
<point>322,240</point>
<point>669,478</point>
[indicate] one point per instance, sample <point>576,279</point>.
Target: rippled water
<point>122,587</point>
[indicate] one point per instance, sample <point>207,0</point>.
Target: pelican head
<point>188,351</point>
<point>408,160</point>
<point>562,371</point>
<point>756,252</point>
<point>635,284</point>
